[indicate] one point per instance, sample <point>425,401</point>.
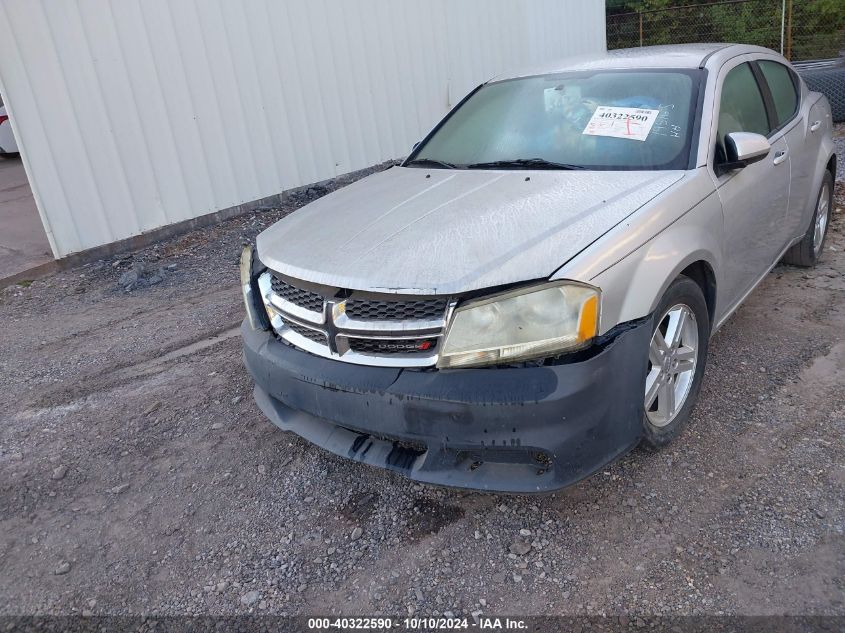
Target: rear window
<point>783,89</point>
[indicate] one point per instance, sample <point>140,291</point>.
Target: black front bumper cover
<point>521,429</point>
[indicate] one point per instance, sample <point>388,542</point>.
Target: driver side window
<point>741,108</point>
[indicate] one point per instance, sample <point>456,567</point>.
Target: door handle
<point>780,157</point>
<point>815,126</point>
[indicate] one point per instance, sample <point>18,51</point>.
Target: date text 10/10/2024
<point>416,624</point>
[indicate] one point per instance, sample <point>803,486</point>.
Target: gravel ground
<point>138,476</point>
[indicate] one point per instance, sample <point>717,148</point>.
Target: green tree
<point>817,26</point>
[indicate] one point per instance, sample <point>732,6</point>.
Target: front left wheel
<point>676,358</point>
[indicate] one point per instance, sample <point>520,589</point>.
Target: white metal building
<point>136,114</point>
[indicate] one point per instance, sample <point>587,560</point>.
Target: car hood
<point>420,231</point>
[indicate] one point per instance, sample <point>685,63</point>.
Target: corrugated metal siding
<point>134,114</point>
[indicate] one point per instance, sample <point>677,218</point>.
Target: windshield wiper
<point>430,162</point>
<point>524,163</point>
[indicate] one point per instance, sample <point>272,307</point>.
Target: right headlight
<point>526,324</point>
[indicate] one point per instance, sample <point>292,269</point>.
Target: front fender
<point>633,287</point>
<point>634,264</point>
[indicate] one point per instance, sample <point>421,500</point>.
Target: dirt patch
<point>359,507</point>
<point>428,517</point>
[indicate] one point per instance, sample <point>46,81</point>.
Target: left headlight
<point>522,325</point>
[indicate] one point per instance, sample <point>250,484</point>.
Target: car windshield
<point>615,119</point>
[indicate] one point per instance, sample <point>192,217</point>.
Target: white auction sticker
<point>632,123</point>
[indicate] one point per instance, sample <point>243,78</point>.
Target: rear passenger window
<point>783,89</point>
<point>741,108</point>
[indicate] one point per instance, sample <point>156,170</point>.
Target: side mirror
<point>416,145</point>
<point>743,149</point>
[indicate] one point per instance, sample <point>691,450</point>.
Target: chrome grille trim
<point>291,308</point>
<point>347,342</point>
<point>311,301</point>
<point>297,340</point>
<point>312,334</point>
<point>346,353</point>
<point>386,328</point>
<point>300,326</point>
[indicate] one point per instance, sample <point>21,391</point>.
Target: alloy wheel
<point>672,360</point>
<point>822,213</point>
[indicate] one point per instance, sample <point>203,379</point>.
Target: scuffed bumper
<point>530,429</point>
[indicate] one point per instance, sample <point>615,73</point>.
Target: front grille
<point>297,296</point>
<point>371,310</point>
<point>380,347</point>
<point>363,329</point>
<point>307,332</point>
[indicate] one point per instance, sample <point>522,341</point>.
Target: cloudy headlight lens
<point>532,323</point>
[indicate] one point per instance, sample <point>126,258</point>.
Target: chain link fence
<point>800,29</point>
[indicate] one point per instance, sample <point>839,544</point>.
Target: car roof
<point>672,56</point>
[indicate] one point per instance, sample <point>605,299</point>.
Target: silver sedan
<point>532,292</point>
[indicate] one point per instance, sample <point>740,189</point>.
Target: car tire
<point>806,253</point>
<point>683,307</point>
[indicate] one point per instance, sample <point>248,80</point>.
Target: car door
<point>754,199</point>
<point>803,141</point>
